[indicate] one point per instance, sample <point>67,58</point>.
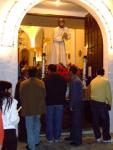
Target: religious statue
<point>61,33</point>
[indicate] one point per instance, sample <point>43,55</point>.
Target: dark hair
<point>4,94</point>
<point>61,20</point>
<point>52,68</point>
<point>32,71</point>
<point>100,71</point>
<point>73,69</point>
<point>24,72</point>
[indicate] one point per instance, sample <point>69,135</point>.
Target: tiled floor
<point>88,144</point>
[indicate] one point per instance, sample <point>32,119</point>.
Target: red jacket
<point>1,130</point>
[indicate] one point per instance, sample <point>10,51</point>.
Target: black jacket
<point>55,89</point>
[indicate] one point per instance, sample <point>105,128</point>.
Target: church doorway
<point>86,40</point>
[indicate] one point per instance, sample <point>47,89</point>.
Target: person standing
<point>9,115</point>
<point>55,97</point>
<point>101,101</point>
<point>32,95</point>
<point>61,33</point>
<point>76,107</point>
<point>21,126</point>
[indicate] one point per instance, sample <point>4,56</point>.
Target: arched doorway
<point>98,9</point>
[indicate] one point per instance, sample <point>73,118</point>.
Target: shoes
<point>27,147</point>
<point>108,141</point>
<point>75,144</point>
<point>98,140</point>
<point>50,141</point>
<point>57,141</point>
<point>67,139</point>
<point>37,144</point>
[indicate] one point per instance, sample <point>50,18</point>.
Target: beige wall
<point>79,46</point>
<point>74,45</point>
<point>70,47</point>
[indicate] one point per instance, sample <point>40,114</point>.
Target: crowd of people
<point>34,97</point>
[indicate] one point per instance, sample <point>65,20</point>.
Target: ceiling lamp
<point>58,2</point>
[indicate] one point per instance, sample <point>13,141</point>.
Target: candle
<point>85,51</point>
<point>89,71</point>
<point>84,71</point>
<point>44,47</point>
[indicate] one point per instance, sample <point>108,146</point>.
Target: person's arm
<point>88,92</point>
<point>44,89</point>
<point>73,94</point>
<point>21,92</point>
<point>108,93</point>
<point>14,117</point>
<point>17,94</point>
<point>58,35</point>
<point>66,34</point>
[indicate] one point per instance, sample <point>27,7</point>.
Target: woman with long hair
<point>10,116</point>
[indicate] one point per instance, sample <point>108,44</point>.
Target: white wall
<point>9,65</point>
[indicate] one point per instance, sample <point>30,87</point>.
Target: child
<point>9,115</point>
<point>1,128</point>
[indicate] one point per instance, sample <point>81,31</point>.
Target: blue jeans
<point>33,130</point>
<point>54,116</point>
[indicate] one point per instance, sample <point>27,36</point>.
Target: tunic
<point>58,54</point>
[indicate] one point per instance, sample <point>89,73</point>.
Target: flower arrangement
<point>64,71</point>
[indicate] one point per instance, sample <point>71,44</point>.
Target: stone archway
<point>17,9</point>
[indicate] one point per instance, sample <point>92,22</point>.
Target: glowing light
<point>85,50</point>
<point>38,58</point>
<point>31,31</point>
<point>32,43</point>
<point>58,2</point>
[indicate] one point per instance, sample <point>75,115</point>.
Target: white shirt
<point>58,51</point>
<point>58,33</point>
<point>10,116</point>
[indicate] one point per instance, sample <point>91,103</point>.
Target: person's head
<point>32,72</point>
<point>73,70</point>
<point>5,87</point>
<point>23,63</point>
<point>5,92</point>
<point>24,73</point>
<point>61,22</point>
<point>52,68</point>
<point>100,71</point>
<point>39,73</point>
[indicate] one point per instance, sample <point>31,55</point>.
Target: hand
<point>65,36</point>
<point>71,109</point>
<point>108,107</point>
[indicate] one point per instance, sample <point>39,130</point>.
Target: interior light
<point>58,2</point>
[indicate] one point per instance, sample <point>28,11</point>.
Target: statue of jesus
<point>61,33</point>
